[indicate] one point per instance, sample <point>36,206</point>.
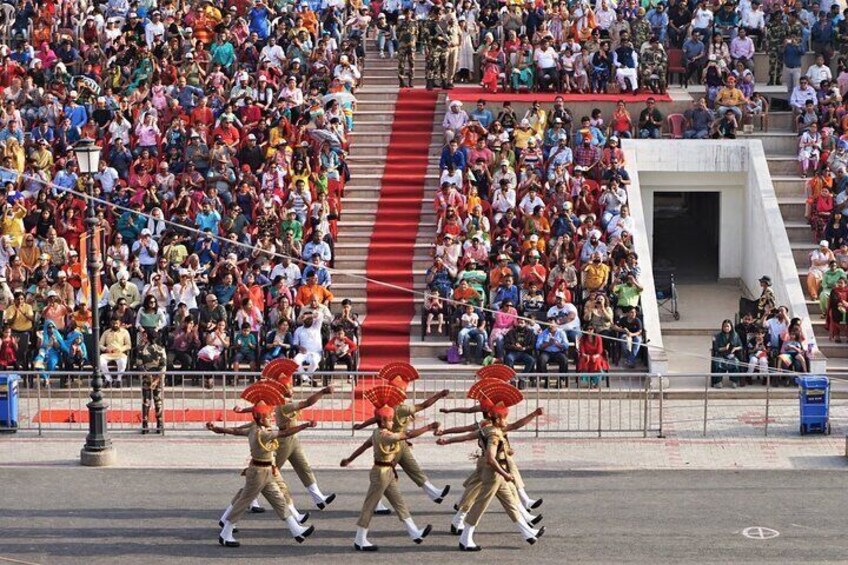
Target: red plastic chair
<point>676,123</point>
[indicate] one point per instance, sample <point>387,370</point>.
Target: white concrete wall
<point>753,240</point>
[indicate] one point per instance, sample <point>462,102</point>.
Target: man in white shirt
<point>345,72</point>
<point>702,20</point>
<point>273,53</point>
<point>154,28</point>
<point>530,201</point>
<point>753,20</point>
<point>307,341</point>
<point>605,16</point>
<point>455,119</point>
<point>503,200</point>
<point>289,271</point>
<point>107,177</point>
<point>546,60</point>
<point>800,95</point>
<point>819,72</point>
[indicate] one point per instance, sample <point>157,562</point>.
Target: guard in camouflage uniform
<point>653,66</point>
<point>436,42</point>
<point>407,35</point>
<point>775,35</point>
<point>153,359</point>
<point>640,30</point>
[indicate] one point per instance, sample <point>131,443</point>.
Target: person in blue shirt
<point>225,290</point>
<point>598,138</point>
<point>75,112</point>
<point>322,274</point>
<point>207,250</point>
<point>207,218</point>
<point>317,246</point>
<point>258,17</point>
<point>821,37</point>
<point>482,114</point>
<point>453,153</point>
<point>552,345</point>
<point>658,20</point>
<point>66,178</point>
<point>505,291</point>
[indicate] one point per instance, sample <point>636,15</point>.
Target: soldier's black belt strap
<point>257,463</point>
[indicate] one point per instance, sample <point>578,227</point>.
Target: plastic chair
<point>675,125</point>
<point>677,66</point>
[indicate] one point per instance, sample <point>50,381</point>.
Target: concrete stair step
<point>787,185</point>
<point>782,165</point>
<point>798,231</point>
<point>792,208</point>
<point>778,143</point>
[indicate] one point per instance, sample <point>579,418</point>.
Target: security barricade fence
<point>603,405</point>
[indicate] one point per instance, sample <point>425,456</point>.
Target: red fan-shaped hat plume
<point>280,370</point>
<point>497,371</point>
<point>385,398</point>
<point>399,374</point>
<point>495,396</point>
<point>264,395</point>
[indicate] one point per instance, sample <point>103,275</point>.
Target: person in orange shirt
<point>464,293</point>
<point>500,271</point>
<point>202,113</point>
<point>228,132</point>
<point>310,289</point>
<point>533,271</point>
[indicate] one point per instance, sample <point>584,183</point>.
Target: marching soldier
<point>287,415</point>
<point>387,446</point>
<point>407,34</point>
<point>400,375</point>
<point>154,360</point>
<point>262,476</point>
<point>495,470</point>
<point>478,432</point>
<point>775,34</point>
<point>436,42</point>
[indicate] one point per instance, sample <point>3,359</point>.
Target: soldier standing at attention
<point>451,26</point>
<point>154,360</point>
<point>384,481</point>
<point>262,476</point>
<point>436,43</point>
<point>775,35</point>
<point>407,34</point>
<point>286,415</point>
<point>400,375</point>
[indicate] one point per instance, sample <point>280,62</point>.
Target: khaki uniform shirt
<point>287,416</point>
<point>404,414</point>
<point>386,445</point>
<point>263,443</point>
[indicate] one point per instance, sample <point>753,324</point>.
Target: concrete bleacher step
<point>782,165</point>
<point>781,143</point>
<point>792,208</point>
<point>788,185</point>
<point>798,231</point>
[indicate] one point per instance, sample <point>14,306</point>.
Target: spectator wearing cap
<point>533,270</point>
<point>455,119</point>
<point>64,290</point>
<point>147,251</point>
<point>730,98</point>
<point>125,290</point>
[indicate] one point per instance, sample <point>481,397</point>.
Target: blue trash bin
<point>814,396</point>
<point>9,402</point>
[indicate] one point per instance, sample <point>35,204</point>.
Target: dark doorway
<point>686,235</point>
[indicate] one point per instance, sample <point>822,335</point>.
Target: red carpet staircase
<point>386,331</point>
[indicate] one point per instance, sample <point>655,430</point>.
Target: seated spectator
<point>552,345</point>
<point>630,328</point>
<point>727,354</point>
<point>340,349</point>
<point>650,121</point>
<point>700,120</point>
<point>519,344</point>
<point>115,345</point>
<point>592,357</point>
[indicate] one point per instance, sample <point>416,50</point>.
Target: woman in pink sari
<point>493,66</point>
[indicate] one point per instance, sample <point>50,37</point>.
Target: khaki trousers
<point>283,487</point>
<point>383,483</point>
<point>407,462</point>
<point>261,480</point>
<point>453,62</point>
<point>291,451</point>
<point>492,485</point>
<point>473,484</point>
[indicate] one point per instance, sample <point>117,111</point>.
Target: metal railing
<point>604,405</point>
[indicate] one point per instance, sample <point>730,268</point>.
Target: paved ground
<point>83,516</point>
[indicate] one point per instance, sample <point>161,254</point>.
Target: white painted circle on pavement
<point>760,533</point>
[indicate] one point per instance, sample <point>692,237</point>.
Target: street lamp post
<point>98,450</point>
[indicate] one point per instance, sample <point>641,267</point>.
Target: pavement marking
<point>760,533</point>
<point>10,560</point>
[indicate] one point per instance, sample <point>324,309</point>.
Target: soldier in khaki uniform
<point>387,448</point>
<point>262,476</point>
<point>495,471</point>
<point>480,432</point>
<point>400,375</point>
<point>287,416</point>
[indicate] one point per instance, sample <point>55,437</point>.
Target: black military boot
<point>445,84</point>
<point>430,84</point>
<point>160,426</point>
<point>144,430</point>
<point>401,82</point>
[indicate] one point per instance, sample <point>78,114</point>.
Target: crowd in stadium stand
<point>534,259</point>
<point>224,129</point>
